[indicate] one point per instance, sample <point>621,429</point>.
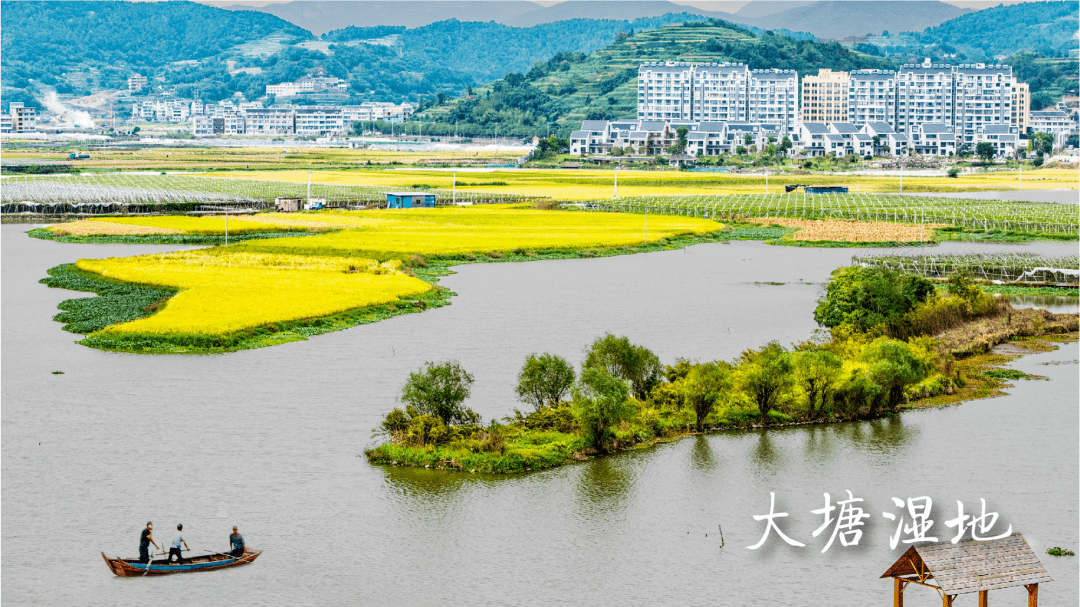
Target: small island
<point>896,341</point>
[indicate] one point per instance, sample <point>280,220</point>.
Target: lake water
<point>271,440</point>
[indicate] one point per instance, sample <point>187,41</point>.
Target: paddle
<point>239,558</point>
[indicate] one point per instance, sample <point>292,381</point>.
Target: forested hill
<point>41,40</point>
<point>1048,28</point>
<point>556,95</point>
<point>447,56</point>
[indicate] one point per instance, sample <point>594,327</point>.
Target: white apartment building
<point>924,93</point>
<point>218,124</point>
<point>1004,137</point>
<point>1049,121</point>
<point>161,110</point>
<point>967,97</point>
<point>269,121</point>
<point>719,92</point>
<point>19,119</point>
<point>871,97</point>
<point>317,121</point>
<point>982,97</point>
<point>665,91</point>
<point>773,98</point>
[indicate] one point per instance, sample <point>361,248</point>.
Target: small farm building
<point>287,205</point>
<point>409,200</point>
<point>826,189</point>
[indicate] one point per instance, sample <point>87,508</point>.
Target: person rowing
<point>174,549</point>
<point>145,539</point>
<point>237,542</point>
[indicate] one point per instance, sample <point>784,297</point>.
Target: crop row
<point>1031,217</point>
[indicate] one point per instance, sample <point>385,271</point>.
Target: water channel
<point>271,440</point>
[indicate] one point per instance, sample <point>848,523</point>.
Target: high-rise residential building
<point>982,96</point>
<point>720,91</point>
<point>871,97</point>
<point>773,98</point>
<point>966,97</point>
<point>924,93</point>
<point>1021,106</point>
<point>664,91</point>
<point>825,97</point>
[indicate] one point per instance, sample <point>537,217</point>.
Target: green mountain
<point>395,63</point>
<point>1044,27</point>
<point>90,46</point>
<point>554,96</point>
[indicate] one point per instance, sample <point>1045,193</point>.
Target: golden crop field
<point>224,291</point>
<point>182,223</point>
<point>590,184</point>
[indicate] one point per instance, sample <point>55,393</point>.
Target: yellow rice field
<point>593,184</point>
<point>225,291</point>
<point>207,226</point>
<point>484,228</point>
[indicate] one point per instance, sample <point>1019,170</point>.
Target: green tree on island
<point>703,388</point>
<point>620,358</point>
<point>544,380</point>
<point>818,372</point>
<point>766,376</point>
<point>440,391</point>
<point>601,400</point>
<point>863,297</point>
<point>893,366</point>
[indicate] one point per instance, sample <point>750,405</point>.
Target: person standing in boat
<point>237,542</point>
<point>145,539</point>
<point>174,549</point>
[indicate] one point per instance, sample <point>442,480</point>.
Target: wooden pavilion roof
<point>972,566</point>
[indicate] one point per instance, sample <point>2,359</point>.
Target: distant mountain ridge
<point>824,19</point>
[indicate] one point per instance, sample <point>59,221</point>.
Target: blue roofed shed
<point>409,200</point>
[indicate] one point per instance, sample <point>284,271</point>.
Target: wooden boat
<point>206,562</point>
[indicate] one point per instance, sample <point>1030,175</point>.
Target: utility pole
<point>617,184</point>
<point>1020,163</point>
<point>901,175</point>
<point>766,182</point>
<point>496,136</point>
<point>309,188</point>
<point>454,199</point>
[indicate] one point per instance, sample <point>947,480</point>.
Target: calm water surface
<point>271,439</point>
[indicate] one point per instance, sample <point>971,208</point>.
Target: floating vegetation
<point>1058,551</point>
<point>1006,374</point>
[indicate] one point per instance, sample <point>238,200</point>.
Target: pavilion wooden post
<point>1033,595</point>
<point>898,592</point>
<point>947,599</point>
<point>984,598</point>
